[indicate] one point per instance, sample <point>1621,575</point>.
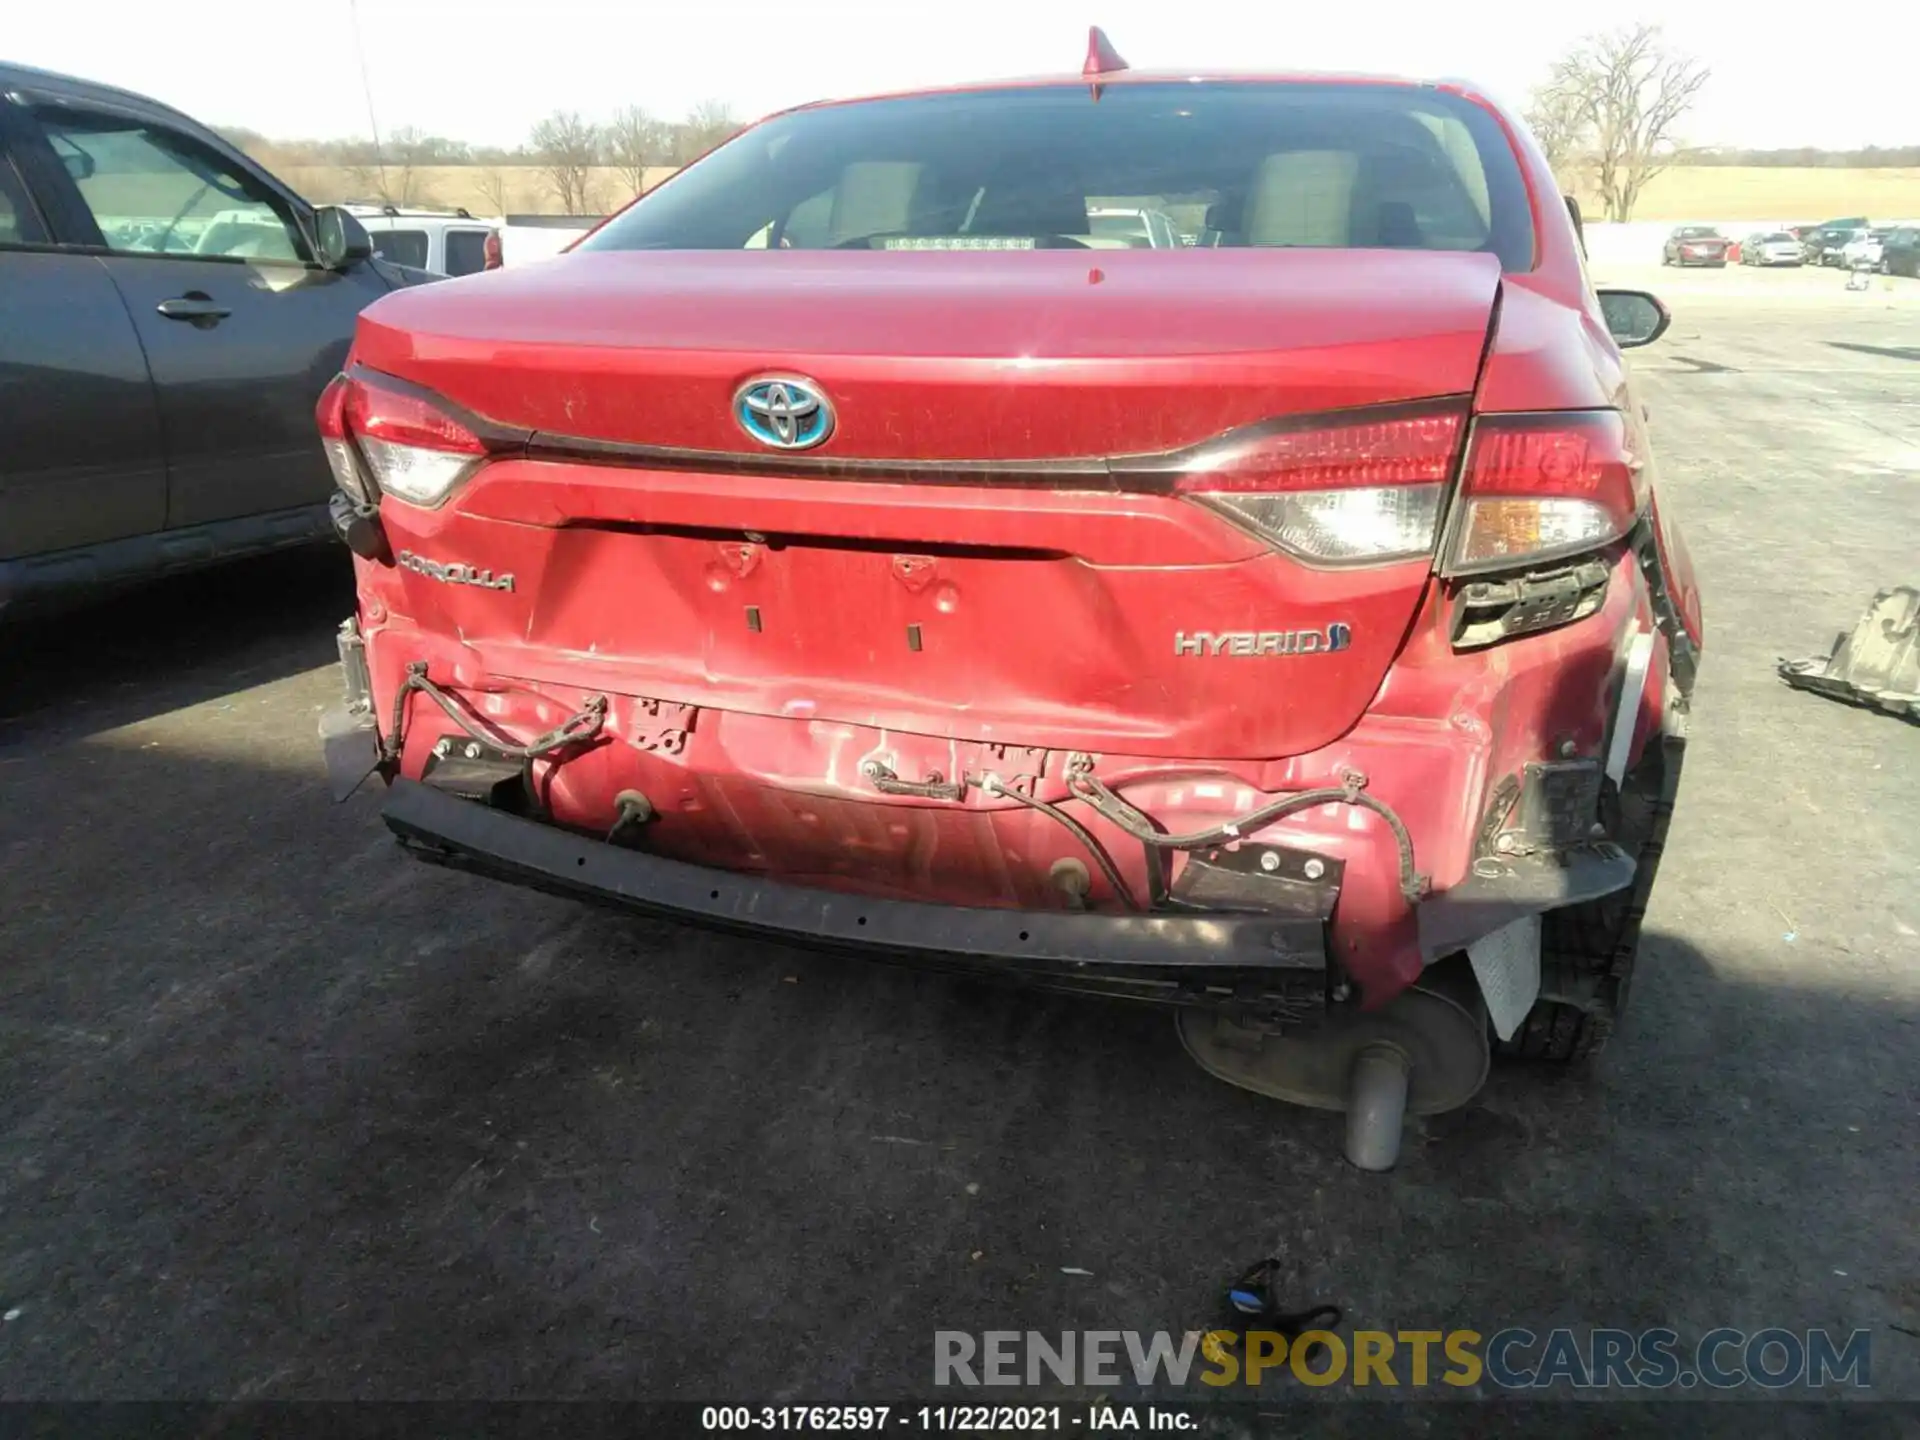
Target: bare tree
<point>493,185</point>
<point>1558,120</point>
<point>565,148</point>
<point>391,174</point>
<point>706,125</point>
<point>1624,92</point>
<point>635,141</point>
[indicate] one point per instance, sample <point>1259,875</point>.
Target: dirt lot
<point>283,1116</point>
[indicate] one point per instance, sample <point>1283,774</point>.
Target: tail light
<point>413,450</point>
<point>330,414</point>
<point>491,258</point>
<point>1544,487</point>
<point>1335,491</point>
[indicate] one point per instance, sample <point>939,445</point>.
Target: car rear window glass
<point>402,247</point>
<point>466,252</point>
<point>1226,164</point>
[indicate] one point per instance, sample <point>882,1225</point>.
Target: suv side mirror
<point>340,238</point>
<point>1633,317</point>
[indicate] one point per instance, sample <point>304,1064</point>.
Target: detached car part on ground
<point>1284,631</point>
<point>1876,664</point>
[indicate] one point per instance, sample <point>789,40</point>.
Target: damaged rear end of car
<point>841,546</point>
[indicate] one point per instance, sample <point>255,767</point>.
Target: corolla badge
<point>1337,636</point>
<point>784,412</point>
<point>453,573</point>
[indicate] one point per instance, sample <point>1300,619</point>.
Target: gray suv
<point>169,313</point>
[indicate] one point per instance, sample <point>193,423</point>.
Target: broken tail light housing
<point>1336,490</point>
<point>381,439</point>
<point>330,415</point>
<point>1543,487</point>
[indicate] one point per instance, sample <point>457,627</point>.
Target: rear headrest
<point>1302,197</point>
<point>874,197</point>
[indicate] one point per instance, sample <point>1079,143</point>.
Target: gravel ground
<point>282,1116</point>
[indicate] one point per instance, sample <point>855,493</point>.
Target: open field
<point>1720,193</point>
<point>284,1115</point>
<point>523,188</point>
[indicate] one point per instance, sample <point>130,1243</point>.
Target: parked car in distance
<point>1134,229</point>
<point>1257,632</point>
<point>1695,245</point>
<point>1823,247</point>
<point>442,242</point>
<point>169,312</point>
<point>1900,255</point>
<point>1770,247</point>
<point>1863,251</point>
<point>521,239</point>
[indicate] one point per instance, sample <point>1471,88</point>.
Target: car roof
<point>53,85</point>
<point>1153,77</point>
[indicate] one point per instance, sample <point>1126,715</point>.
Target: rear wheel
<point>1587,952</point>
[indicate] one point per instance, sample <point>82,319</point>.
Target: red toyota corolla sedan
<point>850,543</point>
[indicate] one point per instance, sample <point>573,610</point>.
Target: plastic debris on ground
<point>1876,664</point>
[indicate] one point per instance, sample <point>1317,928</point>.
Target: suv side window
<point>155,192</point>
<point>402,247</point>
<point>18,223</point>
<point>466,251</point>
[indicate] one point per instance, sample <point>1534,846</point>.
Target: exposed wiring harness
<point>582,725</point>
<point>991,784</point>
<point>1413,885</point>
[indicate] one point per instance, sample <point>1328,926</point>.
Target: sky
<point>484,71</point>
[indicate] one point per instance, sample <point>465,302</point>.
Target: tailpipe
<point>1423,1053</point>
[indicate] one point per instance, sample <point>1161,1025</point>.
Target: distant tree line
<point>567,149</point>
<point>1871,157</point>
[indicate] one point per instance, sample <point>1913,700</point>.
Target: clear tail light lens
<point>1543,487</point>
<point>414,450</point>
<point>330,415</point>
<point>1333,490</point>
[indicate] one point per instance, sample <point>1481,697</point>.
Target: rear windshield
<point>1226,164</point>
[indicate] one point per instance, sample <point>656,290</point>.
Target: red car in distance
<point>1696,245</point>
<point>848,543</point>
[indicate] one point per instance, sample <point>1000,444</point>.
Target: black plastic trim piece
<point>1060,945</point>
<point>164,552</point>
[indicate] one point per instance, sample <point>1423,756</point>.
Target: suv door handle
<point>196,305</point>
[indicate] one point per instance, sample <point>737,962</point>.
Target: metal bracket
<point>661,727</point>
<point>934,787</point>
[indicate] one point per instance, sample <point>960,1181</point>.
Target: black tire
<point>1589,950</point>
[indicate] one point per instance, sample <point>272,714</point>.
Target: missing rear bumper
<point>1270,967</point>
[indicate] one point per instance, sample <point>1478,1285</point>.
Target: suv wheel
<point>1587,952</point>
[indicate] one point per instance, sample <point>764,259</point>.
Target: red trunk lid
<point>1060,617</point>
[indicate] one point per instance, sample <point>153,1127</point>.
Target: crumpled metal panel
<point>1876,664</point>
